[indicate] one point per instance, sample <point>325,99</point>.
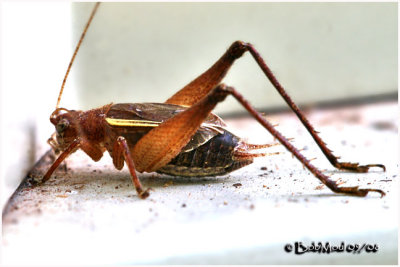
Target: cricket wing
<point>134,115</point>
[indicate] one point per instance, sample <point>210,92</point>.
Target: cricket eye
<point>62,125</point>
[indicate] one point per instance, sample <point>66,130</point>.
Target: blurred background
<point>319,51</point>
<point>145,52</point>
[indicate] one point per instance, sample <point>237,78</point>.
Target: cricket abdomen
<point>215,157</point>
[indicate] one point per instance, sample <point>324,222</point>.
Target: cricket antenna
<point>76,51</point>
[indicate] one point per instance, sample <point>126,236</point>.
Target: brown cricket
<point>181,137</point>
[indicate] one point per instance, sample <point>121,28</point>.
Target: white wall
<point>35,50</point>
<point>146,51</point>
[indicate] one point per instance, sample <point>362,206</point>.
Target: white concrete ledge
<point>92,215</point>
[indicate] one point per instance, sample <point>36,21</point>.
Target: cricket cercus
<point>181,136</point>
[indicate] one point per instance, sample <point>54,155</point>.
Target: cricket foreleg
<point>285,142</point>
<point>72,147</point>
<point>121,150</point>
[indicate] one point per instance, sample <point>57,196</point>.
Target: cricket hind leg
<point>164,142</point>
<point>306,163</point>
<point>203,84</point>
<point>356,167</point>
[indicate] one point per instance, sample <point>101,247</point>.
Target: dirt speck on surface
<point>237,185</point>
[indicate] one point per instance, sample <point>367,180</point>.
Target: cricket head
<point>67,127</point>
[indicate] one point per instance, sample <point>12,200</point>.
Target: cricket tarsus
<point>356,167</point>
